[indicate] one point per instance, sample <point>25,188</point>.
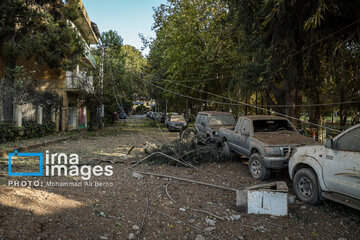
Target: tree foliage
<point>37,29</point>
<point>266,53</point>
<point>123,66</point>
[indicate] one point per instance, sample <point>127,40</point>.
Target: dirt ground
<point>130,206</point>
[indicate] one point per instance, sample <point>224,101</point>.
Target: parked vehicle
<point>331,171</point>
<point>168,117</point>
<point>266,140</point>
<point>176,123</point>
<point>160,117</point>
<point>207,125</point>
<point>151,114</point>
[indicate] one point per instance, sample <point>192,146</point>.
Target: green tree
<point>38,29</point>
<point>123,66</point>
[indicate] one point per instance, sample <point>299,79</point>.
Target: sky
<point>127,17</point>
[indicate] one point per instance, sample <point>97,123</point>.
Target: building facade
<point>67,84</point>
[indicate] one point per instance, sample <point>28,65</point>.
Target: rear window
<point>222,120</point>
<point>272,125</point>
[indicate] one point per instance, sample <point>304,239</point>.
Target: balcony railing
<point>79,81</point>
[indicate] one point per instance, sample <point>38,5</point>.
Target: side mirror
<point>302,131</point>
<point>203,124</point>
<point>329,143</point>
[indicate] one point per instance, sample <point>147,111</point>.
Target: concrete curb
<point>30,147</point>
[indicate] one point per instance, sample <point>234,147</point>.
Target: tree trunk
<point>8,89</point>
<point>314,113</point>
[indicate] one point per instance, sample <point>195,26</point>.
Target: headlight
<point>273,151</point>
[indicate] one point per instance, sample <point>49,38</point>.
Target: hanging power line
<point>264,106</point>
<point>241,103</point>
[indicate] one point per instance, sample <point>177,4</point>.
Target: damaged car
<point>330,171</point>
<point>266,140</point>
<point>208,123</point>
<point>176,123</point>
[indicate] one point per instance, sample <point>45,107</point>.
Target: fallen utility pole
<point>188,180</point>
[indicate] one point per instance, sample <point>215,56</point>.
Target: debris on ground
<point>270,198</point>
<point>210,222</point>
<point>186,151</point>
<point>137,175</point>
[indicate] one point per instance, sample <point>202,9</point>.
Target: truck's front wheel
<point>257,168</point>
<point>226,153</point>
<point>306,186</point>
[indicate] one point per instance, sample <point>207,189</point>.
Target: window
<point>199,118</point>
<point>349,141</point>
<point>272,125</point>
<point>222,120</point>
<point>204,119</point>
<point>245,126</point>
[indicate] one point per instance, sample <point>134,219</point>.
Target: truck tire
<point>306,186</point>
<point>225,153</point>
<point>257,168</point>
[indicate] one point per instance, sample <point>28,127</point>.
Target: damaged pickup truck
<point>266,140</point>
<point>329,172</point>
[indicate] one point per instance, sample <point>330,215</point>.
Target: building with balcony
<point>67,84</point>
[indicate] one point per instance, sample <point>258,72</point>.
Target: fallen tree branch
<point>110,161</point>
<point>145,214</point>
<point>187,164</point>
<point>188,180</point>
<point>209,213</point>
<point>159,153</point>
<point>167,193</point>
<point>130,150</point>
<point>194,151</point>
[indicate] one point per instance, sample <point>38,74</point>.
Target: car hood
<point>275,138</point>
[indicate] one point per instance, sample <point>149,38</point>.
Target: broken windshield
<point>272,125</point>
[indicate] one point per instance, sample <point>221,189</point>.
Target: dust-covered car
<point>168,117</point>
<point>208,123</point>
<point>176,123</point>
<point>266,140</point>
<point>330,171</point>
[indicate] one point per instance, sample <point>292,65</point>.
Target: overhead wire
<point>272,106</point>
<point>241,103</point>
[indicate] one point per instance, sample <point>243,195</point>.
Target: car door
<point>197,122</point>
<point>199,126</point>
<point>341,168</point>
<point>244,137</point>
<point>233,138</point>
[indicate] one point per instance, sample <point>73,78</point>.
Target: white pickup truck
<point>329,172</point>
